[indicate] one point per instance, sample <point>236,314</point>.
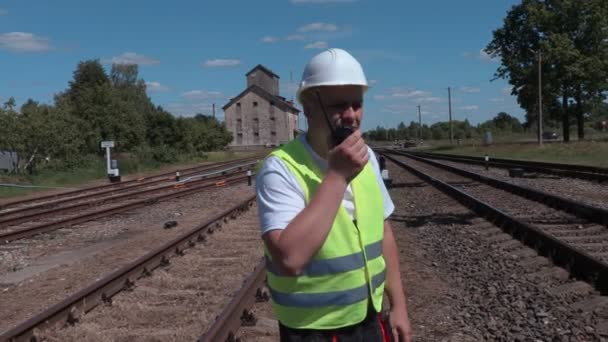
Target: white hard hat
<point>332,67</point>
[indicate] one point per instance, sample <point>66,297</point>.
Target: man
<point>323,207</point>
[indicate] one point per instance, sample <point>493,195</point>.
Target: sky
<point>193,54</point>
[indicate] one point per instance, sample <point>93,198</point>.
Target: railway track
<point>494,287</point>
<point>238,311</point>
<point>72,309</point>
<point>562,170</point>
<point>593,213</point>
<point>577,244</point>
<point>79,213</point>
<point>23,207</point>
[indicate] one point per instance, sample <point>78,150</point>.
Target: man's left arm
<point>399,319</point>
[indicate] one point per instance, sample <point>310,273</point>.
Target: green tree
<point>571,36</point>
<point>10,103</point>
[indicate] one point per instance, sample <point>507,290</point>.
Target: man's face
<point>344,105</point>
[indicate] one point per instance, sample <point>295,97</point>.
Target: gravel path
<point>589,192</point>
<point>498,288</point>
<point>179,301</point>
<point>122,238</point>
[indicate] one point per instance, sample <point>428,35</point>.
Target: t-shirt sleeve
<point>279,195</point>
<point>389,206</point>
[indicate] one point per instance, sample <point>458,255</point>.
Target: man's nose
<point>348,115</point>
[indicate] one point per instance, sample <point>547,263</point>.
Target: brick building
<point>258,116</point>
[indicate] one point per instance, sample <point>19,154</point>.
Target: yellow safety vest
<point>333,291</point>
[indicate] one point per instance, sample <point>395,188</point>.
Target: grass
<point>97,171</point>
<point>578,152</point>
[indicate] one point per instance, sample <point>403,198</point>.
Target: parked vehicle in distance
<point>550,136</point>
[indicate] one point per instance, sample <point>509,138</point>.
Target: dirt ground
<point>88,251</point>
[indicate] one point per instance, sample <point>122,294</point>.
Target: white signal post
<point>113,173</point>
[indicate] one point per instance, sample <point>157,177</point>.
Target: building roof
<point>278,100</point>
<point>264,69</point>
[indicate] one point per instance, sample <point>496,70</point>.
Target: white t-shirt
<point>280,197</point>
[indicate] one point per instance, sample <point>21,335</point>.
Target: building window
<point>273,133</point>
<point>238,104</point>
<point>272,118</point>
<point>255,104</point>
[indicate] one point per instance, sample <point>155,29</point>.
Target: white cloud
<point>132,58</point>
<point>212,63</point>
<point>397,108</point>
<point>506,90</point>
<point>201,95</point>
<point>23,42</point>
<point>372,82</point>
<point>472,107</point>
<point>156,87</point>
<point>317,45</point>
<point>497,99</point>
<point>429,99</point>
<point>318,27</point>
<point>480,55</point>
<point>269,39</point>
<point>383,97</point>
<point>3,11</point>
<point>295,37</point>
<point>409,94</point>
<point>469,90</point>
<point>485,57</point>
<point>321,1</point>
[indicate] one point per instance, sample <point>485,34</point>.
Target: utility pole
<point>450,108</point>
<point>213,110</point>
<point>540,100</point>
<point>419,125</point>
<point>291,84</point>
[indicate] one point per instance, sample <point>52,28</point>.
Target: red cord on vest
<point>334,339</point>
<point>384,336</point>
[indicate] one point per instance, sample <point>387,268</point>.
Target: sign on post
<point>105,144</point>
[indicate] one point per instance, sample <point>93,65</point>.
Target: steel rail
<point>13,220</point>
<point>563,170</point>
<point>579,263</point>
<point>69,310</point>
<point>164,176</point>
<point>31,231</point>
<point>226,325</point>
<point>582,210</point>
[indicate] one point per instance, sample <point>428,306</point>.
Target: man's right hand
<point>349,158</point>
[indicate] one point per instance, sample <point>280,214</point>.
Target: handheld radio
<point>338,134</point>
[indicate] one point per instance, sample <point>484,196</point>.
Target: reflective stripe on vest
<point>346,274</point>
<point>334,265</point>
<point>309,300</point>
